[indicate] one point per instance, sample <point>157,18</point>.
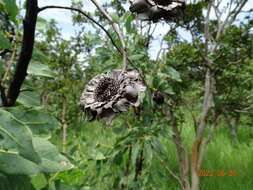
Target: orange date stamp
<point>217,172</point>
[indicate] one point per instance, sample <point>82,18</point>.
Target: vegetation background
<point>199,137</point>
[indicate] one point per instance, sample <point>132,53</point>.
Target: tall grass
<point>220,155</point>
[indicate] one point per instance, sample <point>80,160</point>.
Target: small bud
<point>158,97</point>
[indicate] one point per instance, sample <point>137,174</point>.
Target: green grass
<point>220,155</point>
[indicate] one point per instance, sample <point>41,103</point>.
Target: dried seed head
<point>157,9</point>
<point>110,93</point>
<point>106,88</point>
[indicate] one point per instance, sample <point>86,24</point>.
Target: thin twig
<point>87,16</point>
<point>9,63</point>
<point>169,170</point>
<point>116,29</point>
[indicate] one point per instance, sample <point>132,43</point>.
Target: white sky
<point>63,18</point>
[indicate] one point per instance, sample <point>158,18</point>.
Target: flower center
<point>106,88</point>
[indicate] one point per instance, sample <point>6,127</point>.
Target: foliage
<point>139,150</point>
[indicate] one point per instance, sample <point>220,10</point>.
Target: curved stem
<point>87,16</point>
<point>117,30</point>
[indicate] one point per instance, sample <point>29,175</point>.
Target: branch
<point>87,16</point>
<point>181,153</point>
<point>170,171</point>
<point>232,14</point>
<point>26,51</point>
<point>206,27</point>
<point>117,30</point>
<point>9,63</point>
<point>3,96</point>
<point>206,141</point>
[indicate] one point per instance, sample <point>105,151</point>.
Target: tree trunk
<point>181,153</point>
<point>196,150</point>
<point>233,126</point>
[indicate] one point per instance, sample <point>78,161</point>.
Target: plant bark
<point>181,153</point>
<point>26,52</point>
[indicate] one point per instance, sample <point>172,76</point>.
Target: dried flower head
<point>156,9</point>
<point>110,93</point>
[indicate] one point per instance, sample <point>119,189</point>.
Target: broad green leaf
<point>4,43</point>
<point>39,69</point>
<point>29,98</point>
<point>52,160</point>
<point>39,121</point>
<point>13,163</point>
<point>16,136</point>
<point>18,182</point>
<point>11,8</point>
<point>173,74</point>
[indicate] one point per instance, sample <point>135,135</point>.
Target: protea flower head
<point>156,9</point>
<point>112,92</point>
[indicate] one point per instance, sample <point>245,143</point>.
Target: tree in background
<point>208,78</point>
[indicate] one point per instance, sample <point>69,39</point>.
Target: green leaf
<point>39,56</point>
<point>52,161</point>
<point>173,74</point>
<point>135,151</point>
<point>12,163</point>
<point>39,69</point>
<point>148,154</point>
<point>39,181</point>
<point>11,9</point>
<point>115,17</point>
<point>136,57</point>
<point>29,98</point>
<point>4,42</point>
<point>16,137</point>
<point>96,155</point>
<point>41,23</point>
<point>39,121</point>
<point>157,145</point>
<point>128,23</point>
<point>18,182</point>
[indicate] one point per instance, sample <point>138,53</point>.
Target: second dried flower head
<point>157,9</point>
